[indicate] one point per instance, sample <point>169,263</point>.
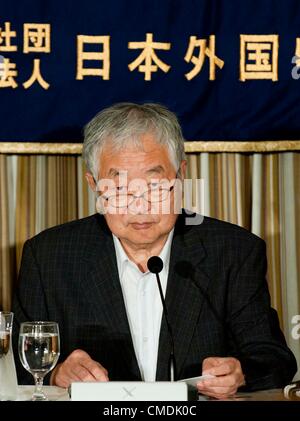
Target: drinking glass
<point>8,376</point>
<point>39,348</point>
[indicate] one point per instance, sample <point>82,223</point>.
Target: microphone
<point>155,265</point>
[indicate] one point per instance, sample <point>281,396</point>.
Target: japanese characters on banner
<point>229,73</point>
<point>36,40</point>
<point>262,50</point>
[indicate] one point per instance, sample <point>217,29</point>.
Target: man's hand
<point>229,377</point>
<point>78,367</point>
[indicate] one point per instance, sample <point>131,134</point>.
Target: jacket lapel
<point>185,293</point>
<point>103,290</point>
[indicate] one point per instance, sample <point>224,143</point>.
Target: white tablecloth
<point>54,393</point>
<point>58,394</point>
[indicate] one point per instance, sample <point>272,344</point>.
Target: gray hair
<point>126,122</point>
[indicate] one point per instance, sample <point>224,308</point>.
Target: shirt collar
<point>122,257</point>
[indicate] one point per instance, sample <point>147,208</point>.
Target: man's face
<point>133,171</point>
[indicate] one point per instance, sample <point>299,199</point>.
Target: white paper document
<point>192,381</point>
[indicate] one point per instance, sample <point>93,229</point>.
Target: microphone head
<point>155,264</point>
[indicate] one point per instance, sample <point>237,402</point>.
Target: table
<point>59,394</point>
<point>54,393</point>
<point>242,405</point>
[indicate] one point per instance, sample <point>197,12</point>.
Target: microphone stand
<point>172,362</point>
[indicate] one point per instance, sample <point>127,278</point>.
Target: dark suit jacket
<point>217,298</point>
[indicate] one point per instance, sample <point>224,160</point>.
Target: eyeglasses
<point>157,193</point>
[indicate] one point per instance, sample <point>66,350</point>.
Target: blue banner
<point>227,68</point>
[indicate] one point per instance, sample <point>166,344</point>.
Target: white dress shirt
<point>143,305</point>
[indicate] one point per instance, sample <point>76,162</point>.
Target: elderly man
<point>91,275</point>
